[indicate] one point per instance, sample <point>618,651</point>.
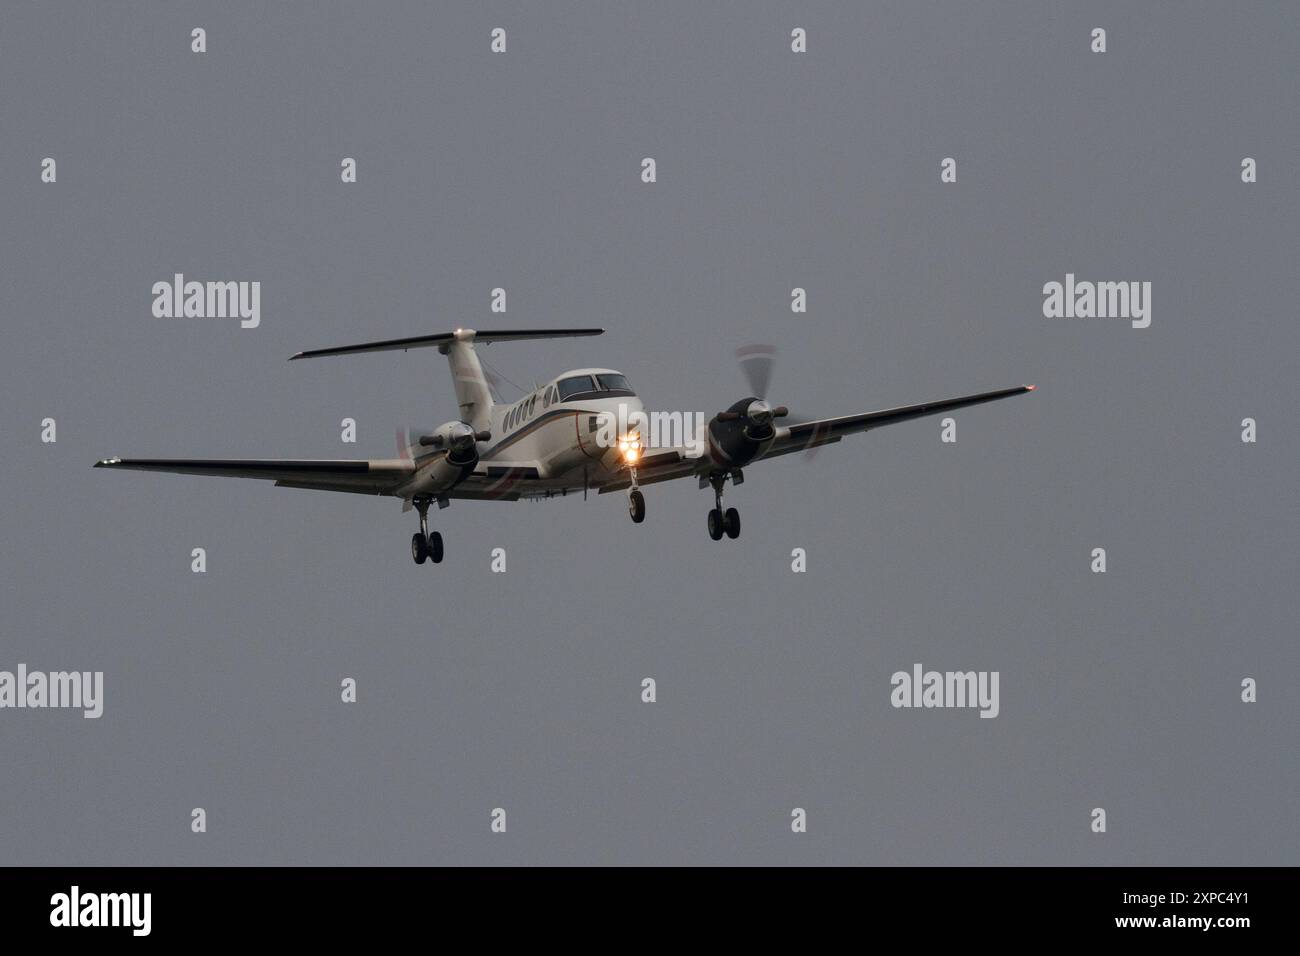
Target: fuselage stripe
<point>531,427</point>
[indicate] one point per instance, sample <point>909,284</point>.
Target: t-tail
<point>472,392</point>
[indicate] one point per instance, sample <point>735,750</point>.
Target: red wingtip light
<point>1031,388</point>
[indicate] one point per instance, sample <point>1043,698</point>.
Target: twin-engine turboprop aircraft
<point>581,431</point>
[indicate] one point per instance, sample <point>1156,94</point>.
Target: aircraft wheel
<point>419,548</point>
<point>731,523</point>
<point>636,506</point>
<point>435,547</point>
<point>715,524</point>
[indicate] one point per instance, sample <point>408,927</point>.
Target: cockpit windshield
<point>598,385</point>
<point>575,386</point>
<point>614,382</point>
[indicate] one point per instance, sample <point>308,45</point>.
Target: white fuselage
<point>555,430</point>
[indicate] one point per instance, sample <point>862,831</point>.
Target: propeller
<point>408,442</point>
<point>758,412</point>
<point>756,363</point>
<point>413,443</point>
<point>460,439</point>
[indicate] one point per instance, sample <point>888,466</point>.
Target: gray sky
<point>775,170</point>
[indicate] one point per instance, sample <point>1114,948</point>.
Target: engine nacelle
<point>448,456</point>
<point>743,432</point>
<point>458,440</point>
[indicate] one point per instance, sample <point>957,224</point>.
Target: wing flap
<point>357,489</point>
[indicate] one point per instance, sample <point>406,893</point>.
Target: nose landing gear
<point>636,506</point>
<point>723,522</point>
<point>635,500</point>
<point>425,545</point>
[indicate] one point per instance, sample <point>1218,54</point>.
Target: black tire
<point>636,506</point>
<point>715,524</point>
<point>435,547</point>
<point>419,548</point>
<point>731,523</point>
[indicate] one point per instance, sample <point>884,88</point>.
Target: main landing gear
<point>723,522</point>
<point>425,545</point>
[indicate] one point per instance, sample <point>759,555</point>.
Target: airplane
<point>549,443</point>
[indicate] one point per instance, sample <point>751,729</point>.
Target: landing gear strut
<point>425,545</point>
<point>635,500</point>
<point>722,522</point>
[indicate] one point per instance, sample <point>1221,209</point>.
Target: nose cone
<point>625,413</point>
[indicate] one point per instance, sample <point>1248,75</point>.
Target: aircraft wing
<point>368,477</point>
<point>666,464</point>
<point>826,430</point>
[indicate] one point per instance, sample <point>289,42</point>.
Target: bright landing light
<point>630,447</point>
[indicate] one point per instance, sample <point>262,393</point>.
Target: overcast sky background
<point>775,170</point>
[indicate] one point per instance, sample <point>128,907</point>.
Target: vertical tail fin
<point>472,392</point>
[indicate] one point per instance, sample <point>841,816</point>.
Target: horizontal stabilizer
<point>445,338</point>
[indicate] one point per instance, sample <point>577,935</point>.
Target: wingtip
<point>107,462</point>
<point>1031,388</point>
<point>295,355</point>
